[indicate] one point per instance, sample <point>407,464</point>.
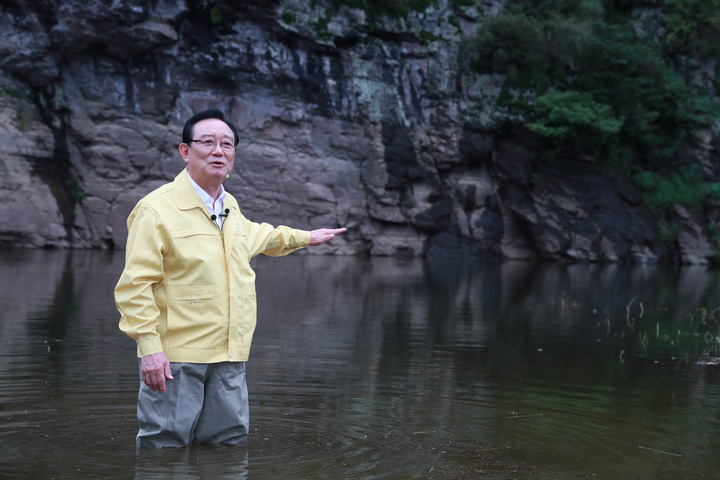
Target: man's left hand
<point>318,237</point>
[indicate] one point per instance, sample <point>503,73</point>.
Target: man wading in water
<point>187,293</point>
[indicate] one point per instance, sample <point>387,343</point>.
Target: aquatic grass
<point>660,451</point>
<point>694,339</point>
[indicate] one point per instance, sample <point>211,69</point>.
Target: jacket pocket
<point>186,293</point>
<point>195,316</point>
<point>188,254</point>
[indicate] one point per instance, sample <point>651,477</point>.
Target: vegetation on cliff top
<point>600,84</point>
<point>592,79</point>
<point>397,8</point>
<point>596,79</point>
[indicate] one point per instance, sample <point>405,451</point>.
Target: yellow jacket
<point>187,288</point>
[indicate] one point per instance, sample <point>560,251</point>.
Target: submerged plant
<point>694,340</point>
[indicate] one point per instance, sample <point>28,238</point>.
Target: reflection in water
<point>379,368</point>
<point>206,461</point>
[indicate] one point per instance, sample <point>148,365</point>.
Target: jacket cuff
<point>149,345</point>
<point>304,238</point>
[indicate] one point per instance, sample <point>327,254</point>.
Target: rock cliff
<point>345,119</point>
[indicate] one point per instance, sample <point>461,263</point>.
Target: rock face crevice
<point>345,119</point>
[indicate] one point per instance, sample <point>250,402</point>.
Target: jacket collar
<point>186,197</point>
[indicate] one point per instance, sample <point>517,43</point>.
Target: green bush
<point>322,26</point>
<point>394,8</point>
<point>510,44</point>
<point>584,61</point>
<point>714,189</point>
<point>662,191</point>
<point>579,10</point>
<point>694,27</point>
<point>362,4</point>
<point>288,17</point>
<point>623,71</point>
<point>574,117</point>
<point>215,15</point>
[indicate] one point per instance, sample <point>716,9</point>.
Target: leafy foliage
<point>595,79</point>
<point>662,191</point>
<point>215,15</point>
<point>694,27</point>
<point>376,9</point>
<point>574,116</point>
<point>512,44</point>
<point>630,75</point>
<point>395,8</point>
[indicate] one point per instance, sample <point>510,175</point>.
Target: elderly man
<point>187,293</point>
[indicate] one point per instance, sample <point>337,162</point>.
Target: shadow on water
<point>383,369</point>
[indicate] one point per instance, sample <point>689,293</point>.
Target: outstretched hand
<point>322,235</point>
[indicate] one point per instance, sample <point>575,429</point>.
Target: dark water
<point>383,369</point>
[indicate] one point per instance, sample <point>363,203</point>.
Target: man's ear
<point>184,152</point>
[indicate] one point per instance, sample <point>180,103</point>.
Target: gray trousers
<point>205,403</point>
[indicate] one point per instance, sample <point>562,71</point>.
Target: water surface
<point>383,369</point>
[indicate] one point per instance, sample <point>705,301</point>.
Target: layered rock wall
<point>344,119</point>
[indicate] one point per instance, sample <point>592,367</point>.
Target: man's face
<point>209,164</point>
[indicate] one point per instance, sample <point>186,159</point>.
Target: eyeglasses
<point>208,144</point>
